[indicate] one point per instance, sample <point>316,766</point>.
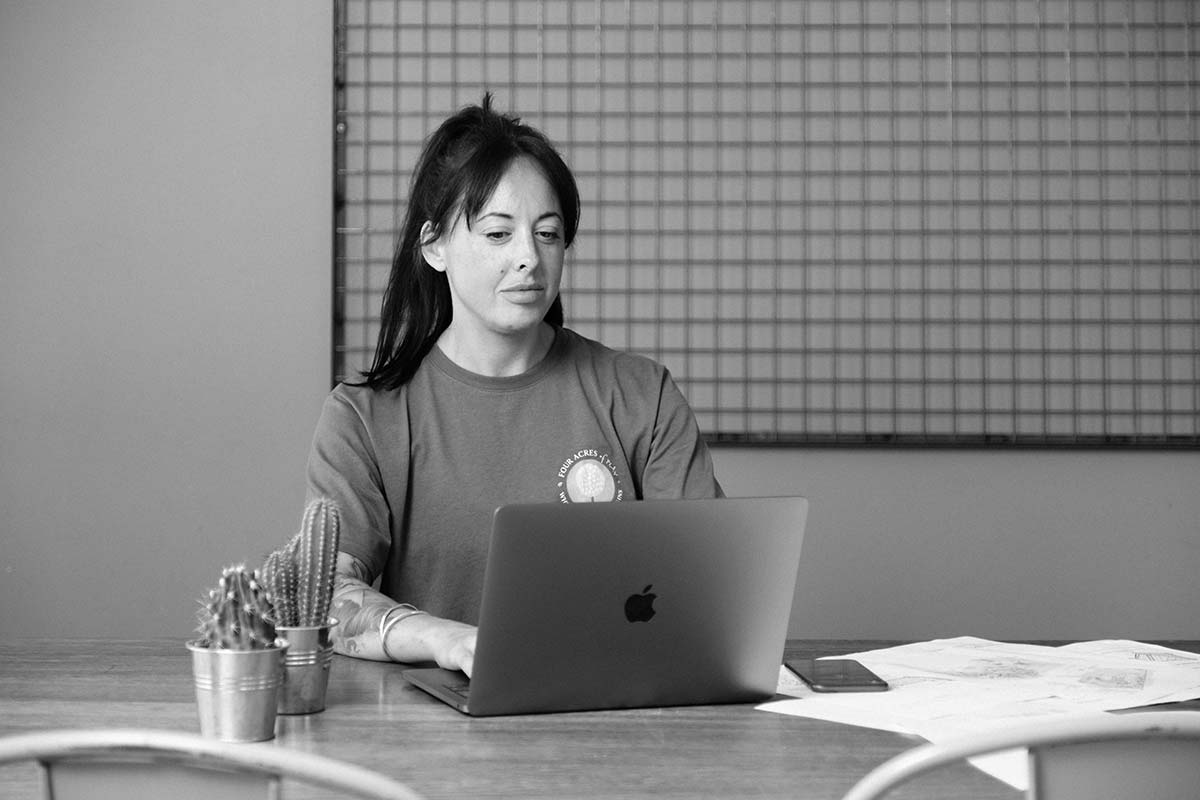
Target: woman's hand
<point>452,643</point>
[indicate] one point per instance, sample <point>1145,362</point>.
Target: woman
<point>478,396</point>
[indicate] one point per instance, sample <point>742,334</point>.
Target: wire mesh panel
<point>836,221</point>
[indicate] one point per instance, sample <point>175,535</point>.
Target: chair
<point>135,764</point>
<point>1143,755</point>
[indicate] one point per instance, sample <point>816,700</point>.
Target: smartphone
<point>836,675</point>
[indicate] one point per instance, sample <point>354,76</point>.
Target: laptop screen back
<point>649,603</point>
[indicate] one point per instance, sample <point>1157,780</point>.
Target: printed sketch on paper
<point>1113,678</point>
<point>1001,669</point>
<point>1164,658</point>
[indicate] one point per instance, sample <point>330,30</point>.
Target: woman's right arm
<point>360,610</point>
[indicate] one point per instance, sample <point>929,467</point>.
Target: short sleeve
<point>679,464</point>
<point>343,466</point>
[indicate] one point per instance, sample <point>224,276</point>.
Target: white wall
<point>999,544</point>
<point>165,244</point>
<point>164,312</point>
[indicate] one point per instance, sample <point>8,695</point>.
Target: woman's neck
<point>497,356</point>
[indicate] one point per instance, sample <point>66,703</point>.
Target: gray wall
<point>164,307</point>
<point>999,544</point>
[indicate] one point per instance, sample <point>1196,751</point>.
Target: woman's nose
<point>527,253</point>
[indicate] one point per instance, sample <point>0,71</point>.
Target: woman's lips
<point>524,293</point>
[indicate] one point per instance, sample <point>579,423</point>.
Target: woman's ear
<point>431,247</point>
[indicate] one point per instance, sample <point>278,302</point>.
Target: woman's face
<point>504,269</point>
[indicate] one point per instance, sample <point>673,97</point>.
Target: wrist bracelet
<point>388,621</point>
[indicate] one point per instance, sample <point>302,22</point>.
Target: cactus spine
<point>237,614</point>
<point>299,577</point>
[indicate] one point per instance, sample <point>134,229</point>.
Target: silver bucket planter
<point>237,691</point>
<point>305,667</point>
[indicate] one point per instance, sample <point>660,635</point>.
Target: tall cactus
<point>319,536</point>
<point>299,577</point>
<point>237,614</point>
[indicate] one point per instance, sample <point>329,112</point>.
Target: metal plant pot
<point>306,667</point>
<point>237,691</point>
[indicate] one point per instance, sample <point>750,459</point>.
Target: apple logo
<point>640,607</point>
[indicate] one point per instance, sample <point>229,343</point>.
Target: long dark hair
<point>459,169</point>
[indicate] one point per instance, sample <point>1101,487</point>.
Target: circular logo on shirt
<point>588,476</point>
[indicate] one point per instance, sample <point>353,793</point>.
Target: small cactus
<point>299,576</point>
<point>237,614</point>
<point>279,576</point>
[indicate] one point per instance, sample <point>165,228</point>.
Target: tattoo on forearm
<point>358,609</point>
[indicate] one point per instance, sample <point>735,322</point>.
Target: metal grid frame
<point>950,222</point>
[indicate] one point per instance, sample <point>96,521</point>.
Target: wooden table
<point>375,719</point>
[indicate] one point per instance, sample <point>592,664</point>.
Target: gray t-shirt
<point>417,472</point>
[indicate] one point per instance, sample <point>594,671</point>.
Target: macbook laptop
<point>630,604</point>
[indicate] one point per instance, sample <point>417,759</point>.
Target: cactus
<point>279,577</point>
<point>237,614</point>
<point>317,559</point>
<point>299,577</point>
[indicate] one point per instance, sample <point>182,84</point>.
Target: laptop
<point>630,604</point>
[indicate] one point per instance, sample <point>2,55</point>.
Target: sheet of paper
<point>791,685</point>
<point>948,687</point>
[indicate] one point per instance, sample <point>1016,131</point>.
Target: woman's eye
<point>548,236</point>
<point>497,236</point>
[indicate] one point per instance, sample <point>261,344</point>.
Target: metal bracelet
<point>387,622</point>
